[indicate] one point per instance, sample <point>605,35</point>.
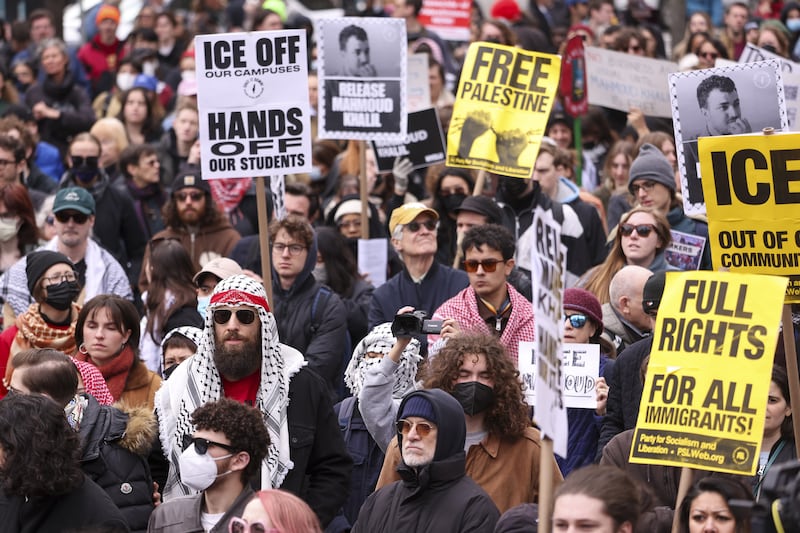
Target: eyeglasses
<point>489,265</point>
<point>429,224</point>
<point>64,217</point>
<point>58,278</point>
<point>237,525</point>
<point>643,230</point>
<point>80,161</point>
<point>708,55</point>
<point>201,445</point>
<point>294,249</point>
<point>244,316</point>
<point>423,428</point>
<point>194,196</point>
<point>577,321</point>
<point>5,162</point>
<point>646,186</point>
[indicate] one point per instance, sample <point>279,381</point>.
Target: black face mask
<point>514,187</point>
<point>85,173</point>
<point>770,48</point>
<point>61,295</point>
<point>452,202</point>
<point>474,397</point>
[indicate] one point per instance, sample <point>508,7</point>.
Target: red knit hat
<point>506,9</point>
<point>585,302</point>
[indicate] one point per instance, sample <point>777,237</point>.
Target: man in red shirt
<point>101,55</point>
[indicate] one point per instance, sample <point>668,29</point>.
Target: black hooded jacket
<point>436,497</point>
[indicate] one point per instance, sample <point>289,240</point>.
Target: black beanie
<point>37,264</point>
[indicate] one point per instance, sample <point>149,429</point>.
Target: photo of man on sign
<point>354,45</point>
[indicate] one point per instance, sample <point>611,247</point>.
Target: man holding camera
<point>423,284</point>
<point>490,304</point>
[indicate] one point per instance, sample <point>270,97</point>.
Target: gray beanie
<point>652,165</point>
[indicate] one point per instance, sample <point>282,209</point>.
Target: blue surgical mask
<point>202,304</point>
<point>316,173</point>
<point>793,24</point>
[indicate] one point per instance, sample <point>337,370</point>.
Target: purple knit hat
<point>585,302</point>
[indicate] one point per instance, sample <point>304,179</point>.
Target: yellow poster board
<point>501,110</point>
<point>705,394</point>
<point>751,185</point>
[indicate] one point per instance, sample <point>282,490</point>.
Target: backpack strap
<point>325,293</point>
<point>346,408</point>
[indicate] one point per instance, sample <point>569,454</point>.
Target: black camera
<point>409,324</point>
<point>779,507</point>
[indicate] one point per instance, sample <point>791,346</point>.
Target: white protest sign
<point>621,81</point>
<point>791,79</point>
<point>372,260</point>
<point>252,96</point>
<point>362,78</point>
<point>581,367</point>
<point>548,258</point>
<point>418,94</point>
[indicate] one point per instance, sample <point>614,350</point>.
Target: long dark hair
<point>42,452</point>
<point>152,123</point>
<point>729,489</point>
<point>171,270</point>
<point>780,379</point>
<point>338,259</point>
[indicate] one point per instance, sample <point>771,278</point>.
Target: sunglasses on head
<point>576,321</point>
<point>201,445</point>
<point>244,316</point>
<point>64,217</point>
<point>423,428</point>
<point>81,161</point>
<point>194,196</point>
<point>415,226</point>
<point>489,265</point>
<point>643,230</point>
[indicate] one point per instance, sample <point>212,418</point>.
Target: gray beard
<point>235,363</point>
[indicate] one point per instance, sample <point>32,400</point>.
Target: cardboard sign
<point>734,100</point>
<point>502,106</point>
<point>573,79</point>
<point>252,97</point>
<point>750,183</point>
<point>692,413</point>
<point>621,81</point>
<point>362,78</point>
<point>581,367</point>
<point>549,265</point>
<point>450,19</point>
<point>424,144</point>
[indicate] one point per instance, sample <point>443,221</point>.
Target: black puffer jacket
<point>115,449</point>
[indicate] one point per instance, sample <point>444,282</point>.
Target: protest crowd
<point>150,381</point>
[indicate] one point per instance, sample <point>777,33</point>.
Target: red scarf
<point>115,372</point>
<point>228,192</point>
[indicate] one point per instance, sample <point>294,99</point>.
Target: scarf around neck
<point>115,372</point>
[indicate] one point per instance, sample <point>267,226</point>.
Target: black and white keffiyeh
<point>196,381</point>
<point>381,340</point>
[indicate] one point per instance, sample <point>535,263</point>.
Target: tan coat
<point>140,388</point>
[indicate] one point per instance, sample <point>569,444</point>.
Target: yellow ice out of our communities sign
<point>502,105</point>
<point>751,185</point>
<point>705,394</point>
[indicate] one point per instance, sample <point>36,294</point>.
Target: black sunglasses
<point>576,321</point>
<point>79,160</point>
<point>201,445</point>
<point>244,316</point>
<point>193,196</point>
<point>430,225</point>
<point>643,230</point>
<point>489,265</point>
<point>79,218</point>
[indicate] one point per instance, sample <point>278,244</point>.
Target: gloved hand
<point>400,170</point>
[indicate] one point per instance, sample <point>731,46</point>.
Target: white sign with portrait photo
<point>730,100</point>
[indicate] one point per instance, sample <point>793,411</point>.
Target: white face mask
<point>125,80</point>
<point>149,68</point>
<point>9,228</point>
<point>198,472</point>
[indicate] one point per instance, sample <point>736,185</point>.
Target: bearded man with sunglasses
<point>434,492</point>
<point>219,459</point>
<point>490,304</point>
<point>240,357</point>
<point>192,217</point>
<point>423,284</point>
<point>98,271</point>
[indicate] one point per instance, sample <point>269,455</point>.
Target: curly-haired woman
<point>42,486</point>
<point>503,450</point>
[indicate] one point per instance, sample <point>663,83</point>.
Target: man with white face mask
<point>219,458</point>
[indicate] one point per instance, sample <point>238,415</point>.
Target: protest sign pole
<point>790,350</point>
<point>362,187</point>
<point>263,236</point>
<point>545,487</point>
<point>577,138</point>
<point>480,183</point>
<point>683,488</point>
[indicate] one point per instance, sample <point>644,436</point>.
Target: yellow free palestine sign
<point>705,394</point>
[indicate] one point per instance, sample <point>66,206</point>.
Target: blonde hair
<point>111,127</point>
